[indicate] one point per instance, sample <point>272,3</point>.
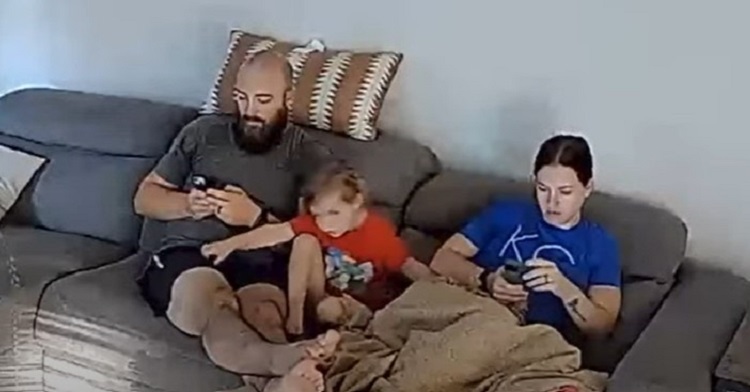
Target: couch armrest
<point>688,335</point>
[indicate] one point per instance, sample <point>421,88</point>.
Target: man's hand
<point>199,205</point>
<point>504,292</point>
<point>233,206</point>
<point>218,251</point>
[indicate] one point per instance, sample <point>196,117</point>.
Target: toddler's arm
<point>267,235</point>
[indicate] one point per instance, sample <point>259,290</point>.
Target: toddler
<point>351,253</point>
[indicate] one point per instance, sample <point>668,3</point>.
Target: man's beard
<point>256,136</point>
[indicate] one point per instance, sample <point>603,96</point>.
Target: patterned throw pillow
<point>337,91</point>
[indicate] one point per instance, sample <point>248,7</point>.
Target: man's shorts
<point>240,269</point>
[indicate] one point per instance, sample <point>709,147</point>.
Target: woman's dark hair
<point>567,151</point>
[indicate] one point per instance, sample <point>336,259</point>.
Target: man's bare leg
<point>304,376</point>
<point>306,280</point>
<point>203,304</point>
<point>264,308</point>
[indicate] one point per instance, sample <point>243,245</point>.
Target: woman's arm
<point>452,261</point>
<point>594,312</point>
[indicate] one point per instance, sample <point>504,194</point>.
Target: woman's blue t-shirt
<point>586,254</point>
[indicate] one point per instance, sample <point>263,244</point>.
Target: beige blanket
<point>440,337</point>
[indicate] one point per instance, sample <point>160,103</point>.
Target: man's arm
<point>452,261</point>
<point>159,195</point>
<point>156,198</point>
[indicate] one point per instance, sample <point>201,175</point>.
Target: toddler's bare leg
<point>306,280</point>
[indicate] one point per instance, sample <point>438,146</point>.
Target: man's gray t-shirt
<point>206,147</point>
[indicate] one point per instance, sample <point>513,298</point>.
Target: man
<point>254,161</point>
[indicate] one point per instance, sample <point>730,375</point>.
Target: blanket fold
<point>440,337</point>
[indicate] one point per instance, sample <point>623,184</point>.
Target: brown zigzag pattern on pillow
<point>326,87</point>
<point>337,91</point>
<point>372,90</point>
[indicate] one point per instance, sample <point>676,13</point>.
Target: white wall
<point>660,87</point>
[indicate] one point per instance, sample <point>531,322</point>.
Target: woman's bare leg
<point>306,280</point>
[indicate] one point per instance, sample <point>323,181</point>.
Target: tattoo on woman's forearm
<point>573,304</point>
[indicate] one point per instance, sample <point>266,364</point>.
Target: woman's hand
<point>504,292</point>
<point>546,277</point>
<point>219,250</point>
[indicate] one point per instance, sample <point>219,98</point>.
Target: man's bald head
<point>270,64</point>
<point>263,93</point>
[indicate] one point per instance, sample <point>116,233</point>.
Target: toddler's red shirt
<point>375,241</point>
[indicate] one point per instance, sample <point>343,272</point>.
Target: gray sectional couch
<point>71,306</point>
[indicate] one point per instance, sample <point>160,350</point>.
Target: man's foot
<point>323,347</point>
<point>304,377</point>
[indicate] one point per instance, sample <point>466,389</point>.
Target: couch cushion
<point>82,192</point>
<point>734,367</point>
<point>422,246</point>
<point>99,147</point>
<point>102,312</point>
<point>392,166</point>
<point>640,301</point>
<point>102,123</point>
<point>35,256</point>
<point>652,240</point>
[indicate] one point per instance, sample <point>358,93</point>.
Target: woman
<point>573,276</point>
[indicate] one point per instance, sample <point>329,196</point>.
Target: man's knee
<point>195,296</point>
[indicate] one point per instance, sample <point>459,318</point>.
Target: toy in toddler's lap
<point>343,272</point>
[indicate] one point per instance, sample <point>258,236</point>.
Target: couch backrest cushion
<point>98,148</point>
<point>392,166</point>
<point>652,240</point>
<point>101,123</point>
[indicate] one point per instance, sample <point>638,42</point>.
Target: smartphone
<point>514,271</point>
<point>204,183</point>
